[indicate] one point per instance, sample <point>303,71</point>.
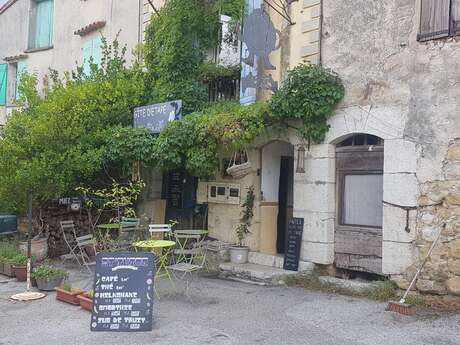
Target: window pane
<point>362,200</point>
<point>44,24</point>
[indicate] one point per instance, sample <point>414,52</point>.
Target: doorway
<point>285,201</point>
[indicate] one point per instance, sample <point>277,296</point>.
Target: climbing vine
<point>242,230</point>
<point>310,93</point>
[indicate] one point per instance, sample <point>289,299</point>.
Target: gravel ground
<point>226,312</point>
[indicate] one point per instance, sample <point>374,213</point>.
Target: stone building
<point>375,194</point>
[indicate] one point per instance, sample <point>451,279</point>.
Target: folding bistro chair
<point>193,263</point>
<point>129,228</point>
<point>158,231</point>
<point>78,245</point>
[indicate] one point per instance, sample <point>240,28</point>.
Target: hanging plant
<point>310,93</point>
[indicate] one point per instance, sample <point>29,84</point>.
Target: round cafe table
<point>161,249</point>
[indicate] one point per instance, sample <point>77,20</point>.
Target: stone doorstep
<point>254,273</point>
<point>276,261</point>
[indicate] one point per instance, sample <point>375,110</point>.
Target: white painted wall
<point>271,158</point>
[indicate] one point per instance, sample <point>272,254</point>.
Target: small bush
<point>48,272</point>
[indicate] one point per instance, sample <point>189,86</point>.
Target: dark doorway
<point>179,190</point>
<point>285,193</point>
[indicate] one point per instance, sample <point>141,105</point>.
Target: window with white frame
<point>41,24</point>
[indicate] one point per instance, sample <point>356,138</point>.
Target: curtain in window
<point>362,200</point>
<point>92,50</point>
<point>3,74</point>
<point>44,23</point>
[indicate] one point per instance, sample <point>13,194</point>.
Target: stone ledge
<point>253,272</point>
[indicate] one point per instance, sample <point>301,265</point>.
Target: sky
<point>2,2</point>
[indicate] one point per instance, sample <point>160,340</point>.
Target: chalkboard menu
<point>294,241</point>
<point>156,116</point>
<point>123,292</point>
<point>175,184</point>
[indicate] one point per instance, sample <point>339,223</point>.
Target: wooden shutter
<point>455,18</point>
<point>434,21</point>
<point>3,79</point>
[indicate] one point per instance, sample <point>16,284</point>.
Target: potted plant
<point>239,252</point>
<point>86,300</point>
<point>48,277</point>
<point>66,293</point>
<point>20,267</point>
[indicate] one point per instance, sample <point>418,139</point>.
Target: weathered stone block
<point>453,285</point>
<point>310,3</point>
<point>454,266</point>
<point>394,225</point>
<point>317,171</point>
<point>305,266</point>
<point>310,49</point>
<point>453,154</point>
<point>396,257</point>
<point>430,286</point>
<point>454,249</point>
<point>318,253</point>
<point>453,198</point>
<point>400,156</point>
<point>310,25</point>
<point>400,189</point>
<point>314,197</point>
<point>319,227</point>
<point>452,170</point>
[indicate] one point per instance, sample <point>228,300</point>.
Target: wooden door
<point>358,232</point>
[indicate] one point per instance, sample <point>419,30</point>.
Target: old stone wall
<point>403,91</point>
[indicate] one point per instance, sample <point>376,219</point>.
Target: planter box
<point>49,284</point>
<point>85,302</point>
<point>7,269</point>
<point>20,272</point>
<point>69,296</point>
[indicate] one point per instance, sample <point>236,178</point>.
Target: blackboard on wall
<point>293,244</point>
<point>175,187</point>
<point>123,292</point>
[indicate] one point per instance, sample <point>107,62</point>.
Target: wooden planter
<point>69,296</point>
<point>20,272</point>
<point>86,302</point>
<point>7,269</point>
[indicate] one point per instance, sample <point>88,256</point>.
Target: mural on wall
<point>259,40</point>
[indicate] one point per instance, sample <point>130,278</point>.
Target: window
<point>362,200</point>
<point>21,68</point>
<point>41,24</point>
<point>360,181</point>
<point>3,81</point>
<point>92,54</point>
<point>439,18</point>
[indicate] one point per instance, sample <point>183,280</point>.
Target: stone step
<point>276,261</point>
<point>253,273</point>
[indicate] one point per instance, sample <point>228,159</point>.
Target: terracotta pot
<point>69,296</point>
<point>8,269</point>
<point>39,248</point>
<point>86,302</point>
<point>20,272</point>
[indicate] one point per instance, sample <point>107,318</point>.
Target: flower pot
<point>69,296</point>
<point>39,248</point>
<point>20,272</point>
<point>48,284</point>
<point>8,269</point>
<point>86,302</point>
<point>239,255</point>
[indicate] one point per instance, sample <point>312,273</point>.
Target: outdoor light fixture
<point>300,160</point>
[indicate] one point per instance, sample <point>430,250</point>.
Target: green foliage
<point>20,260</point>
<point>8,251</point>
<point>211,71</point>
<point>120,197</point>
<point>195,141</point>
<point>48,272</point>
<point>176,46</point>
<point>66,286</point>
<point>242,230</point>
<point>59,141</point>
<point>310,93</point>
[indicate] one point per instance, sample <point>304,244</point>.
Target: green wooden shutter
<point>434,20</point>
<point>44,23</point>
<point>3,80</point>
<point>97,51</point>
<point>20,70</point>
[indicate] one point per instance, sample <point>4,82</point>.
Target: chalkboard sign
<point>123,292</point>
<point>294,241</point>
<point>155,117</point>
<point>175,186</point>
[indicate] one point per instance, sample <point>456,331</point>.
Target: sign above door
<point>155,117</point>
